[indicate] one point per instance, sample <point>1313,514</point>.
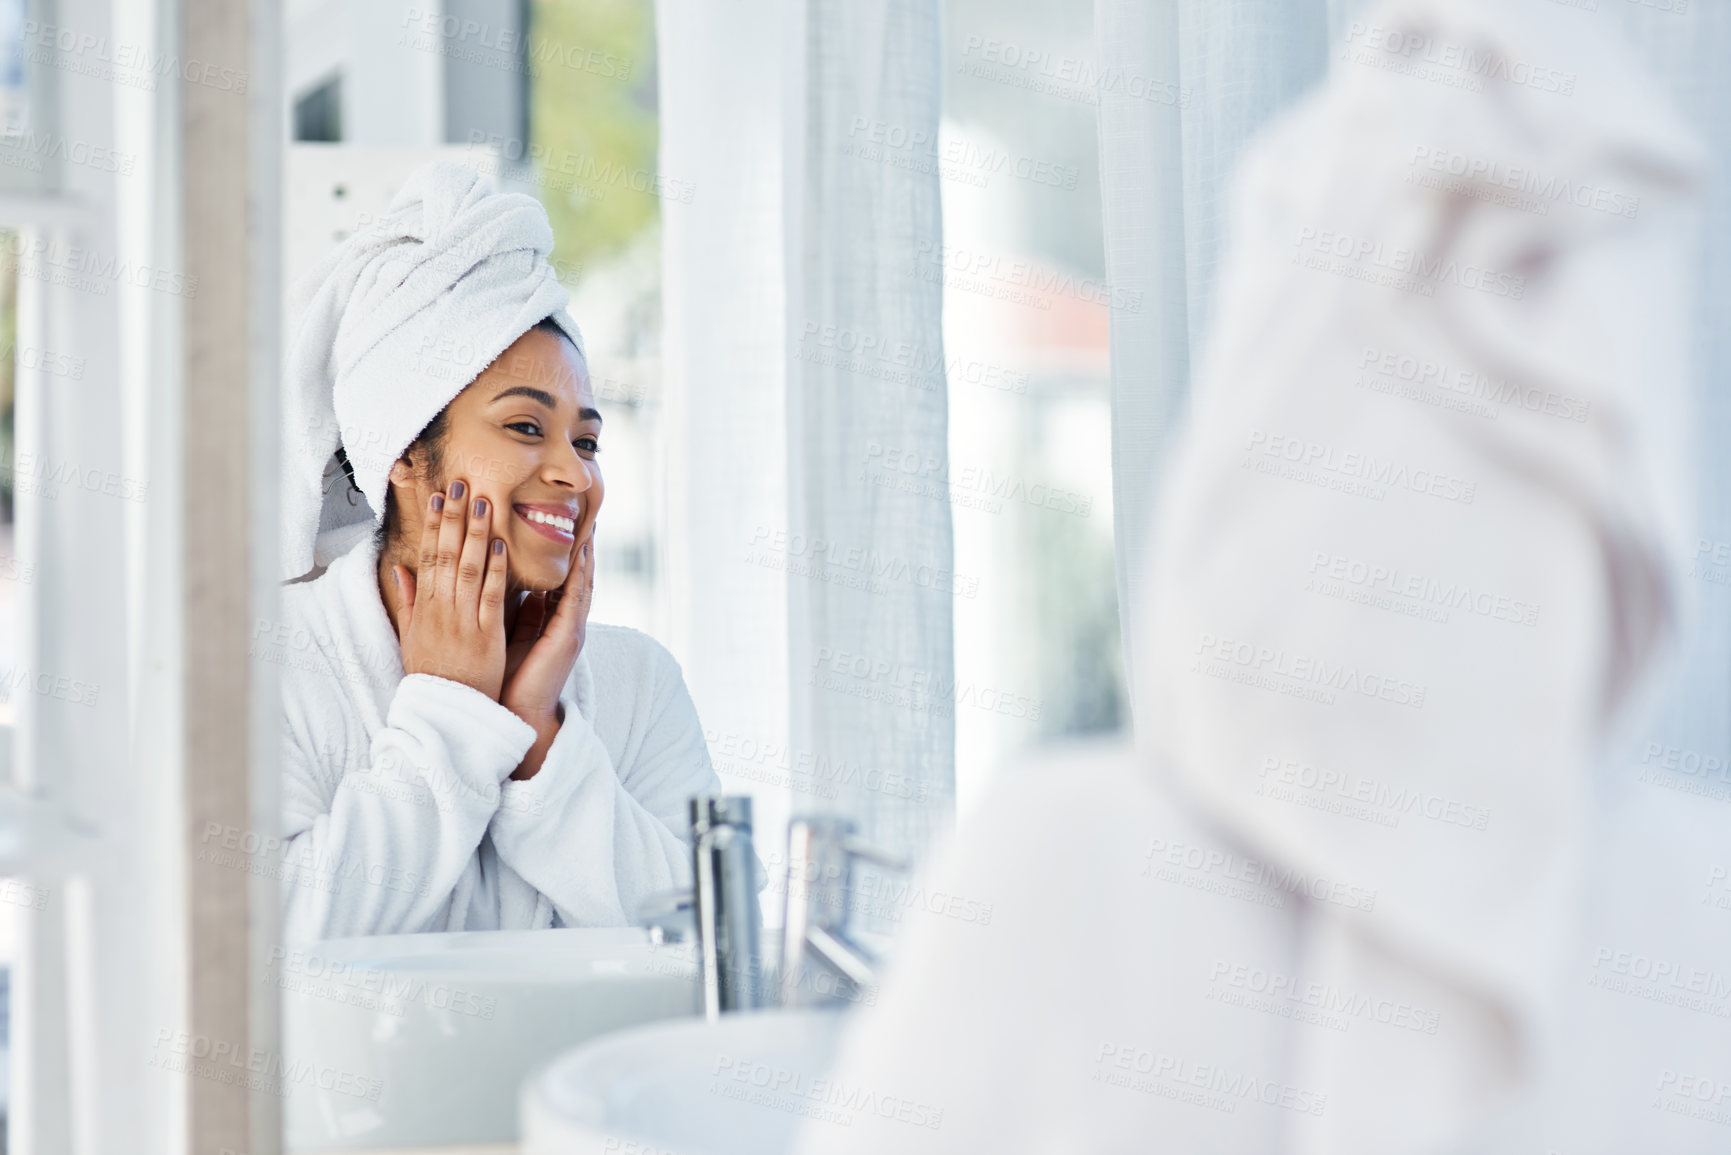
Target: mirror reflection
<point>856,555</point>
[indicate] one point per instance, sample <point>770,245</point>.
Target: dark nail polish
<point>438,502</point>
<point>457,491</point>
<point>480,507</point>
<point>498,545</point>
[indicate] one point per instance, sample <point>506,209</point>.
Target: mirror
<point>875,535</point>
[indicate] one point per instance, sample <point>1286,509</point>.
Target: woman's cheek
<point>502,463</point>
<point>592,496</point>
<point>496,493</point>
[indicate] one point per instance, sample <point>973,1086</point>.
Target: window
<point>591,161</point>
<point>1037,652</point>
<point>319,114</point>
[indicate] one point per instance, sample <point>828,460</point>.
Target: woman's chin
<point>538,578</point>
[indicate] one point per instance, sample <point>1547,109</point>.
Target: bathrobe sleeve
<point>605,822</point>
<point>379,834</point>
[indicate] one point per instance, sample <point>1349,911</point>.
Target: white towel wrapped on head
<point>397,322</point>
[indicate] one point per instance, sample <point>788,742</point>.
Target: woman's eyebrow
<point>544,398</point>
<point>529,391</point>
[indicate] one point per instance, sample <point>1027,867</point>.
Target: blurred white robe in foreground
<point>1357,889</point>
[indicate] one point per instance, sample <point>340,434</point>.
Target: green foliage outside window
<point>593,124</point>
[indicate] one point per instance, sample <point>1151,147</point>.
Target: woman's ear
<point>403,472</point>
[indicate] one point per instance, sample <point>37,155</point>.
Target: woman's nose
<point>570,468</point>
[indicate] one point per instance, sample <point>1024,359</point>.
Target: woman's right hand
<point>455,613</point>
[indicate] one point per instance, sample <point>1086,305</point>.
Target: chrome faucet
<point>729,925</point>
<point>821,960</point>
<point>821,852</point>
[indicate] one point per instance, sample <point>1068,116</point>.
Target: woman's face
<point>524,435</point>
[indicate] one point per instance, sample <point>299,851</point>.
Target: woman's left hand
<point>544,645</point>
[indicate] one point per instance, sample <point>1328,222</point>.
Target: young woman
<point>462,749</point>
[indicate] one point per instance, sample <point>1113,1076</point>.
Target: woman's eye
<point>587,445</point>
<point>532,429</point>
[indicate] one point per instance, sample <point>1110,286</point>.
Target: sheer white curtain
<point>1685,48</point>
<point>1187,82</point>
<point>811,610</point>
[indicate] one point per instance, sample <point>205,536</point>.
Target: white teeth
<point>551,519</point>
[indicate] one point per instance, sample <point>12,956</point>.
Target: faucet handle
<point>822,851</point>
<point>832,834</point>
<point>865,851</point>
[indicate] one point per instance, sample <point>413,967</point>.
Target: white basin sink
<point>742,1086</point>
<point>425,1039</point>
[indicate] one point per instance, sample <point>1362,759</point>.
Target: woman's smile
<point>557,522</point>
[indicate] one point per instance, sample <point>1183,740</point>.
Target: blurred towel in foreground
<point>1416,557</point>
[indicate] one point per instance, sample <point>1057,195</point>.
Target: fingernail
<point>480,507</point>
<point>438,502</point>
<point>457,491</point>
<point>498,545</point>
<point>395,580</point>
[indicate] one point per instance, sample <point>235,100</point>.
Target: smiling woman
<point>498,445</point>
<point>501,434</point>
<point>461,749</point>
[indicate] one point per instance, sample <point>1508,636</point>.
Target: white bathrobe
<point>399,813</point>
